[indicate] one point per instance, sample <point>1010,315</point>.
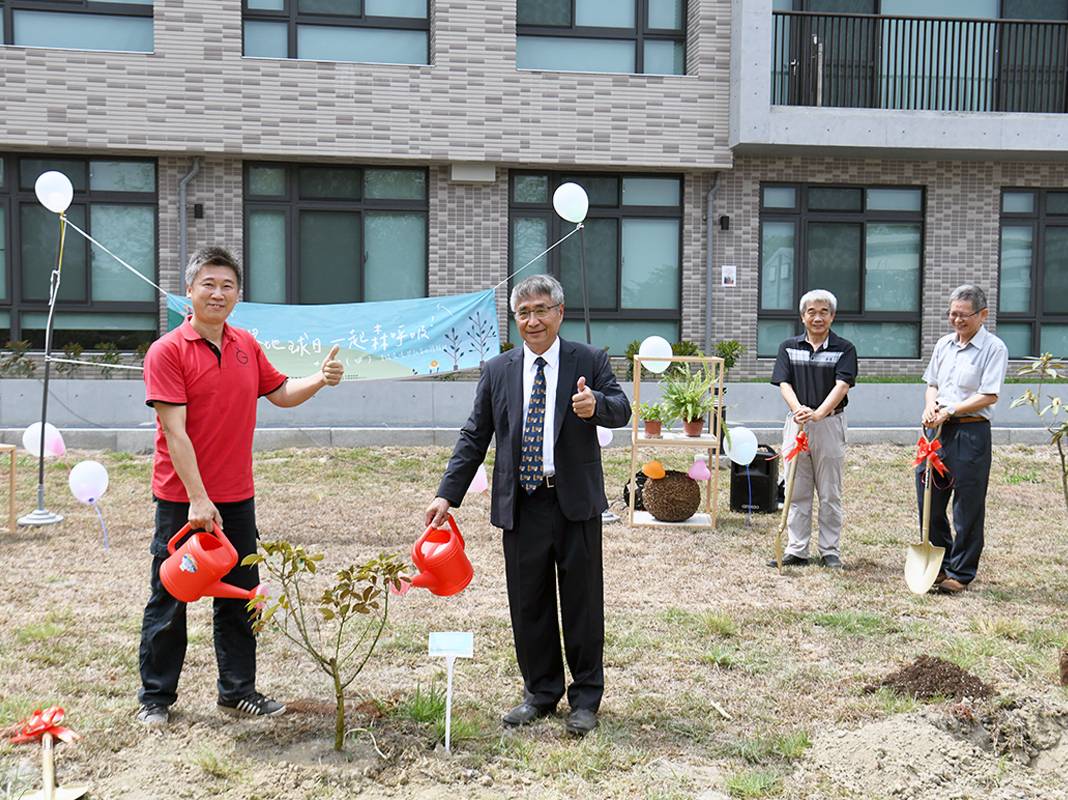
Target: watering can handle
<point>187,529</point>
<point>417,548</point>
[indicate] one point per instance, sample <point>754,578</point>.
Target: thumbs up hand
<point>332,369</point>
<point>583,402</point>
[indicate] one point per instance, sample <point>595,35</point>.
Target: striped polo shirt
<point>813,373</point>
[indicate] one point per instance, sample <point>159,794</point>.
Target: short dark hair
<point>211,257</point>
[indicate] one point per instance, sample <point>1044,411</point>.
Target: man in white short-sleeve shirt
<point>964,379</point>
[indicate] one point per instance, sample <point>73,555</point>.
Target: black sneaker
<point>790,560</point>
<point>252,705</point>
<point>831,562</point>
<point>154,716</point>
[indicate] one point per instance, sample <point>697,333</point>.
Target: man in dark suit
<point>543,402</point>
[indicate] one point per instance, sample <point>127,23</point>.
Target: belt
<point>964,420</point>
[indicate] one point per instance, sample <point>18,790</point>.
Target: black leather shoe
<point>831,562</point>
<point>790,560</point>
<point>581,721</point>
<point>524,714</point>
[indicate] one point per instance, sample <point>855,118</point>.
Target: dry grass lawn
<point>722,676</point>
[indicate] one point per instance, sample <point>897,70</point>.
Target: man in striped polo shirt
<point>814,372</point>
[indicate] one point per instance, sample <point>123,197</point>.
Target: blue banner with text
<point>388,339</point>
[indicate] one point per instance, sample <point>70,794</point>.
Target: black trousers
<point>546,550</point>
<point>163,631</point>
<point>966,453</point>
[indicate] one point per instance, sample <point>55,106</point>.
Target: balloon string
<point>749,508</point>
<point>539,255</point>
<point>103,527</point>
<point>132,269</point>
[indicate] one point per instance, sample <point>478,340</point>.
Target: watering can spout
<point>424,580</point>
<point>228,591</point>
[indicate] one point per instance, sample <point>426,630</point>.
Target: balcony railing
<point>918,63</point>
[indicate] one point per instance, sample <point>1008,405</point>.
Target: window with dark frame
<point>629,36</point>
<point>369,31</point>
<point>100,302</point>
<point>334,233</point>
<point>118,26</point>
<point>862,243</point>
<point>632,247</point>
<point>1033,272</point>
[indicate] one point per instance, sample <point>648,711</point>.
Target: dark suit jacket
<point>498,409</point>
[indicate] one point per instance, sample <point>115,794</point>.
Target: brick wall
<point>197,94</point>
<point>961,236</point>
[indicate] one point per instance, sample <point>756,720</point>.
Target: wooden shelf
<point>644,519</point>
<point>679,441</point>
<point>676,439</point>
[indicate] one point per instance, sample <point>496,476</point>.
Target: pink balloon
<point>699,469</point>
<point>480,482</point>
<point>53,444</point>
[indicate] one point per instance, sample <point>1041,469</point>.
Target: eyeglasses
<point>538,312</point>
<point>955,317</point>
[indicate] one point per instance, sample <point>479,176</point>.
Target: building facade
<point>352,150</point>
<point>890,150</point>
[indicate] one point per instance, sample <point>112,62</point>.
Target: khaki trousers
<point>819,469</point>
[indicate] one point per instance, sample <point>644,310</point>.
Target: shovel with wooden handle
<point>788,497</point>
<point>923,560</point>
<point>49,790</point>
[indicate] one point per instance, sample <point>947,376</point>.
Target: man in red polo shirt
<point>204,379</point>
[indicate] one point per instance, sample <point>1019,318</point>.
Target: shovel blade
<point>922,562</point>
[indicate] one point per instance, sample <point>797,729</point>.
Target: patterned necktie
<point>530,467</point>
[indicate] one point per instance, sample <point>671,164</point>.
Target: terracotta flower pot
<point>652,428</point>
<point>695,427</point>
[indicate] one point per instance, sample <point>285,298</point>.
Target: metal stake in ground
<point>55,192</point>
<point>450,645</point>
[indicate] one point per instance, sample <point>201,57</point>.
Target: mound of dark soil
<point>928,677</point>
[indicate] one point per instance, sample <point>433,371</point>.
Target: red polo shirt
<point>219,391</point>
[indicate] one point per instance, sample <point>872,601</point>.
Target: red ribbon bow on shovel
<point>41,722</point>
<point>800,446</point>
<point>927,450</point>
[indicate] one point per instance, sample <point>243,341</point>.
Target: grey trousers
<point>819,470</point>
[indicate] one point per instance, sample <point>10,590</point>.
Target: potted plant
<point>654,416</point>
<point>730,350</point>
<point>688,396</point>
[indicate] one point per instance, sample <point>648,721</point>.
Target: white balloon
<point>571,202</point>
<point>88,481</point>
<point>479,483</point>
<point>655,347</point>
<point>740,445</point>
<point>604,436</point>
<point>53,444</point>
<point>54,191</point>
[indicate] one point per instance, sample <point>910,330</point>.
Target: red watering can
<point>443,565</point>
<point>195,569</point>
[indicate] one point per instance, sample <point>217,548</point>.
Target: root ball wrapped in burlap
<point>673,498</point>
